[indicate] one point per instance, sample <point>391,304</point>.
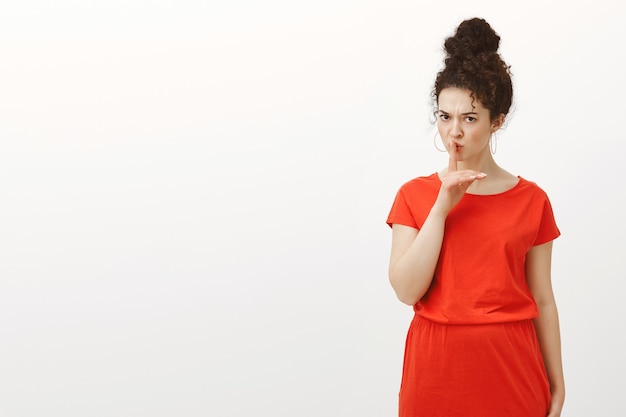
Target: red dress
<point>471,349</point>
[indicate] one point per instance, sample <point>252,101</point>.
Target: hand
<point>455,183</point>
<point>556,405</point>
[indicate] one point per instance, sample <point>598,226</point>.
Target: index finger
<point>452,162</point>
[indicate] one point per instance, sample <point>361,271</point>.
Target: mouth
<point>458,147</point>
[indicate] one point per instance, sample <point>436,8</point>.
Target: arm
<point>538,266</point>
<point>414,254</point>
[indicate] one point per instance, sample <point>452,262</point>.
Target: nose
<point>455,130</point>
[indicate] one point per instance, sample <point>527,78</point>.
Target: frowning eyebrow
<point>462,114</point>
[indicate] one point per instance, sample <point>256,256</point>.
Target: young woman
<point>471,251</point>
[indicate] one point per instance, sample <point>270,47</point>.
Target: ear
<point>497,123</point>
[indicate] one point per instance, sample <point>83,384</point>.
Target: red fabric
<point>480,276</point>
<point>477,370</point>
<point>471,349</point>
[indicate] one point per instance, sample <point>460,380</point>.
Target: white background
<point>193,197</point>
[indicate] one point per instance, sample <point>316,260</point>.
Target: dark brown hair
<point>472,63</point>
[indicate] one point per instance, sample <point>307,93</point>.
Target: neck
<point>481,163</point>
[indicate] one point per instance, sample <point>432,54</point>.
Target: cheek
<point>481,135</point>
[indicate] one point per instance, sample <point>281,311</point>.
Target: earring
<point>435,142</point>
<point>493,143</point>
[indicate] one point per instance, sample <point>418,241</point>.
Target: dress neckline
<point>520,180</point>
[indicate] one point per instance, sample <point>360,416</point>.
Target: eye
<point>470,119</point>
<point>443,116</point>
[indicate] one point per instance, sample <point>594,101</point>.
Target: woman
<point>471,251</point>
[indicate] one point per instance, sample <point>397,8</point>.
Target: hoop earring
<point>493,143</point>
<point>435,142</point>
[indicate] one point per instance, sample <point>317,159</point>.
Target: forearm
<point>548,333</point>
<point>412,273</point>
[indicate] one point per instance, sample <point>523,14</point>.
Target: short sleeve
<point>401,212</point>
<point>547,228</point>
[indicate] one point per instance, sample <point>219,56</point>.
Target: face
<point>464,125</point>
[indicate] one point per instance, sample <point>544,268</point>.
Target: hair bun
<point>472,37</point>
<point>473,63</point>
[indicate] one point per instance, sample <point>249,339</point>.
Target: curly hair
<point>472,63</point>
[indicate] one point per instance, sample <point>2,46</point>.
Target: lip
<point>458,147</point>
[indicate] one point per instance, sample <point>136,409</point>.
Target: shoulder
<point>414,200</point>
<point>422,184</point>
<point>532,188</point>
<point>533,195</point>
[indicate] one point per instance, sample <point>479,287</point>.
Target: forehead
<point>457,100</point>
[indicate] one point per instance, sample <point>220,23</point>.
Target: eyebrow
<point>462,114</point>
